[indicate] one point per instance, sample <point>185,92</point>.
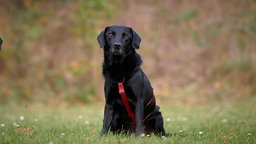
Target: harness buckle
<point>121,88</point>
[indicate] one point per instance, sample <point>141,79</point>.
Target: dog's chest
<point>118,102</point>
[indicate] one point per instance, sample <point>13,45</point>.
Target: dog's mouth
<point>117,57</point>
<point>117,53</point>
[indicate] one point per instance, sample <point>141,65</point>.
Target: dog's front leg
<point>108,116</point>
<point>138,90</point>
<point>108,111</point>
<point>139,113</point>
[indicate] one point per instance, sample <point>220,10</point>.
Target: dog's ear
<point>101,38</point>
<point>135,40</point>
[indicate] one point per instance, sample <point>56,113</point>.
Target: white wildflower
<point>86,122</point>
<point>80,117</point>
<point>184,119</point>
<point>168,119</point>
<point>14,123</point>
<point>62,134</point>
<point>164,138</point>
<point>2,125</point>
<point>22,117</point>
<point>224,120</point>
<point>200,133</point>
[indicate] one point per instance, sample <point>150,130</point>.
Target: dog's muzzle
<point>116,50</point>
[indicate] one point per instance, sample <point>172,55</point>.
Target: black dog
<point>134,110</point>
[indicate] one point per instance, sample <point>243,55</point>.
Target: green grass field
<point>229,122</point>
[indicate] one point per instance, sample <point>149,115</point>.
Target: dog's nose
<point>117,45</point>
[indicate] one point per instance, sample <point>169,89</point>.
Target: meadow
<point>200,57</point>
<point>229,122</point>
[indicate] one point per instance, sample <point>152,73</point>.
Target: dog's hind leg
<point>159,123</point>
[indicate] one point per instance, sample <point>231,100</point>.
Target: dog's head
<point>118,42</point>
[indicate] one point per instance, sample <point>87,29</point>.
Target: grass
<point>231,122</point>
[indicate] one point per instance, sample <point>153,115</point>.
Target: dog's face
<point>118,42</point>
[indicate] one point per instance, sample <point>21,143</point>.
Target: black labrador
<point>122,65</point>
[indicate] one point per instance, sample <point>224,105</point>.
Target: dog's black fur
<point>122,64</point>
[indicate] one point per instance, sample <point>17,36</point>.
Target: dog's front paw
<point>140,135</point>
<point>104,132</point>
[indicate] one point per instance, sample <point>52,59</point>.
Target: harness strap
<point>147,117</point>
<point>126,103</point>
<point>149,102</point>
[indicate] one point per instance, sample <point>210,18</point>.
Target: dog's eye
<point>110,35</point>
<point>125,36</point>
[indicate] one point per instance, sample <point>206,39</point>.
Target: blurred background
<point>194,52</point>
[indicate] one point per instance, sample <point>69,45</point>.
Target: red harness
<point>127,106</point>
